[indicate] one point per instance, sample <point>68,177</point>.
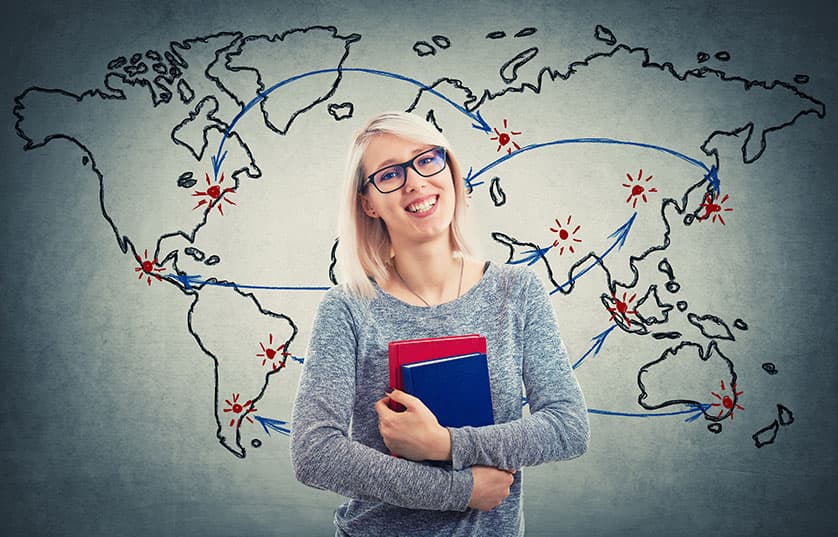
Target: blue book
<point>455,389</point>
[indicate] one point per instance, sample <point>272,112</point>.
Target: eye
<point>388,175</point>
<point>431,157</point>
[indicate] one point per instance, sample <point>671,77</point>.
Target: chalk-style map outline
<point>165,80</point>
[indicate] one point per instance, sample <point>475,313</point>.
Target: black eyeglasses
<point>394,177</point>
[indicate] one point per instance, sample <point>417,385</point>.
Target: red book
<point>409,351</point>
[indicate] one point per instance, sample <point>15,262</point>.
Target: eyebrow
<point>391,161</point>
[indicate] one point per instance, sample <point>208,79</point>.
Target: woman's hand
<point>491,487</point>
<point>414,434</point>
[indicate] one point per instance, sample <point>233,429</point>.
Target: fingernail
<point>389,390</point>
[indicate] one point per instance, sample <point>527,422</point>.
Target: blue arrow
<point>598,340</point>
<point>710,174</point>
<point>713,178</point>
<point>695,410</point>
<point>469,185</point>
<point>190,280</point>
<point>620,235</point>
<point>534,255</point>
<point>270,424</point>
<point>216,161</point>
<point>481,124</point>
<point>186,280</point>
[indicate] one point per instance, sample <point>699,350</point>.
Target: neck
<point>429,269</point>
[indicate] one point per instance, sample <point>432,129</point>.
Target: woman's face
<point>423,208</point>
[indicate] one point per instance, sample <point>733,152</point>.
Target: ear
<point>367,206</point>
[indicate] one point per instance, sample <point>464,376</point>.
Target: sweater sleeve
<point>322,453</point>
<point>557,427</point>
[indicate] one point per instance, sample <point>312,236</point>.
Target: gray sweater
<point>335,441</point>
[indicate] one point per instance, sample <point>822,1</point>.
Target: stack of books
<point>450,375</point>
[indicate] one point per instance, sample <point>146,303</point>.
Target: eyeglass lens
<point>426,164</point>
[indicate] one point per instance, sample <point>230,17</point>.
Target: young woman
<point>408,272</point>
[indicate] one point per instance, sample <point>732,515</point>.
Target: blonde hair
<point>364,247</point>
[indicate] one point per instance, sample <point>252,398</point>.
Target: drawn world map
<point>210,141</point>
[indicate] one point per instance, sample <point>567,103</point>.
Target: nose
<point>414,181</point>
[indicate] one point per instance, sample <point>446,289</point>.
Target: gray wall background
<point>109,414</point>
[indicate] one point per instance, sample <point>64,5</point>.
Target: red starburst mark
<point>638,191</point>
<point>714,209</point>
<point>148,268</point>
<point>727,403</point>
<point>238,408</point>
<point>565,235</point>
<point>504,138</point>
<point>622,308</point>
<point>268,354</point>
<point>213,193</point>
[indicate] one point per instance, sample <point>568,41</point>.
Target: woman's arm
<point>323,455</point>
<point>557,427</point>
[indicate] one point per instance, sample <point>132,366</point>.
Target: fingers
<point>382,408</point>
<point>491,487</point>
<point>404,398</point>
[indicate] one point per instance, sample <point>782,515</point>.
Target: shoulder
<point>519,280</point>
<point>343,298</point>
<point>337,293</point>
<point>340,300</point>
<point>339,314</point>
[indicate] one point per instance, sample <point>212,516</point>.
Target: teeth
<point>422,207</point>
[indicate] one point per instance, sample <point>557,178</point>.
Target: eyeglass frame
<point>404,166</point>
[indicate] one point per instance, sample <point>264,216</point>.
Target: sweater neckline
<point>451,304</point>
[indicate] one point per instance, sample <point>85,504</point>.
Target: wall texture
<point>169,223</point>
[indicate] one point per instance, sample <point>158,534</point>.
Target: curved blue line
<point>262,95</point>
<point>599,341</point>
<point>190,281</point>
<point>422,85</point>
<point>274,288</point>
<point>621,234</point>
<point>709,172</point>
<point>692,410</point>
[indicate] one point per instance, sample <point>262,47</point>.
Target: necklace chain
<point>459,285</point>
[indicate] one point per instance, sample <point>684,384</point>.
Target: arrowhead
<point>530,256</point>
<point>713,178</point>
<point>481,123</point>
<point>600,338</point>
<point>535,255</point>
<point>622,232</point>
<point>700,409</point>
<point>269,424</point>
<point>469,185</point>
<point>467,178</point>
<point>187,280</point>
<point>216,162</point>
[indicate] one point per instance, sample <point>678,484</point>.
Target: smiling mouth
<point>423,206</point>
